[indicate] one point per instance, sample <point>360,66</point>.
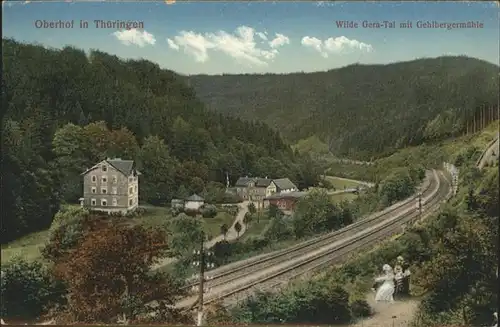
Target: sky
<point>261,37</point>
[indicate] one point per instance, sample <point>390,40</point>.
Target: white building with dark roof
<point>112,185</point>
<point>194,202</point>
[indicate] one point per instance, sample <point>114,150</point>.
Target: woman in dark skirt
<point>404,282</point>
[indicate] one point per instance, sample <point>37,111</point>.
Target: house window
<point>104,203</point>
<point>93,202</point>
<point>94,190</point>
<point>104,179</point>
<point>130,190</point>
<point>130,202</point>
<point>115,202</point>
<point>104,168</point>
<point>94,179</point>
<point>114,190</point>
<point>115,179</point>
<point>104,190</point>
<point>135,188</point>
<point>130,179</point>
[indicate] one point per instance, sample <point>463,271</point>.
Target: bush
<point>209,211</point>
<point>175,211</point>
<point>231,209</point>
<point>67,215</point>
<point>28,290</point>
<point>191,212</point>
<point>312,303</point>
<point>360,309</point>
<point>66,231</point>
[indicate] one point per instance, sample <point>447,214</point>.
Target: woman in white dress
<point>386,290</point>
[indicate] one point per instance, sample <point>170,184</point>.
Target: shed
<point>194,202</point>
<point>284,201</point>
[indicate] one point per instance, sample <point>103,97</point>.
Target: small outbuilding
<point>284,201</point>
<point>194,202</point>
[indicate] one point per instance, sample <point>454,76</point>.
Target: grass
<point>338,198</point>
<point>255,228</point>
<point>212,225</point>
<point>29,246</point>
<point>340,184</point>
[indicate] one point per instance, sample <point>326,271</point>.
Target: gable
<point>126,167</point>
<point>94,167</point>
<point>284,183</point>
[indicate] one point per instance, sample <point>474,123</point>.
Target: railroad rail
<point>336,255</point>
<point>227,272</point>
<point>301,258</point>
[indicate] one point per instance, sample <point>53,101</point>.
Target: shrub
<point>67,215</point>
<point>360,309</point>
<point>191,212</point>
<point>209,211</point>
<point>175,211</point>
<point>28,290</point>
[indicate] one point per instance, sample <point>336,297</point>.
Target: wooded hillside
<point>361,110</point>
<point>67,110</point>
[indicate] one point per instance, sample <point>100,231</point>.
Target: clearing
<point>340,183</point>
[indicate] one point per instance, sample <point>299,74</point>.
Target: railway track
<point>237,269</point>
<point>337,255</point>
<point>284,264</point>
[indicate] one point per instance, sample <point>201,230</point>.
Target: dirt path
<point>403,311</point>
<point>352,180</point>
<point>231,233</point>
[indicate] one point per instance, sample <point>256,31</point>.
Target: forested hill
<point>360,110</point>
<point>67,110</point>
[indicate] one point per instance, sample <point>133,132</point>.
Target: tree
<point>316,213</point>
<point>247,218</point>
<point>237,228</point>
<point>209,211</point>
<point>224,228</point>
<point>123,144</point>
<point>251,208</point>
<point>273,211</point>
<point>71,149</point>
<point>114,258</point>
<point>158,168</point>
<point>187,232</point>
<point>28,290</point>
<point>97,135</point>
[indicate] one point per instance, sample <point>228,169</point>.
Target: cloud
<point>135,37</point>
<point>172,44</point>
<point>262,36</point>
<point>240,45</point>
<point>279,41</point>
<point>336,45</point>
<point>314,43</point>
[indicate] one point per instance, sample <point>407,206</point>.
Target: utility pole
<point>202,263</point>
<point>419,205</point>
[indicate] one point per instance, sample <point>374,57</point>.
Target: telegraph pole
<point>203,263</point>
<point>419,205</point>
<point>454,182</point>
